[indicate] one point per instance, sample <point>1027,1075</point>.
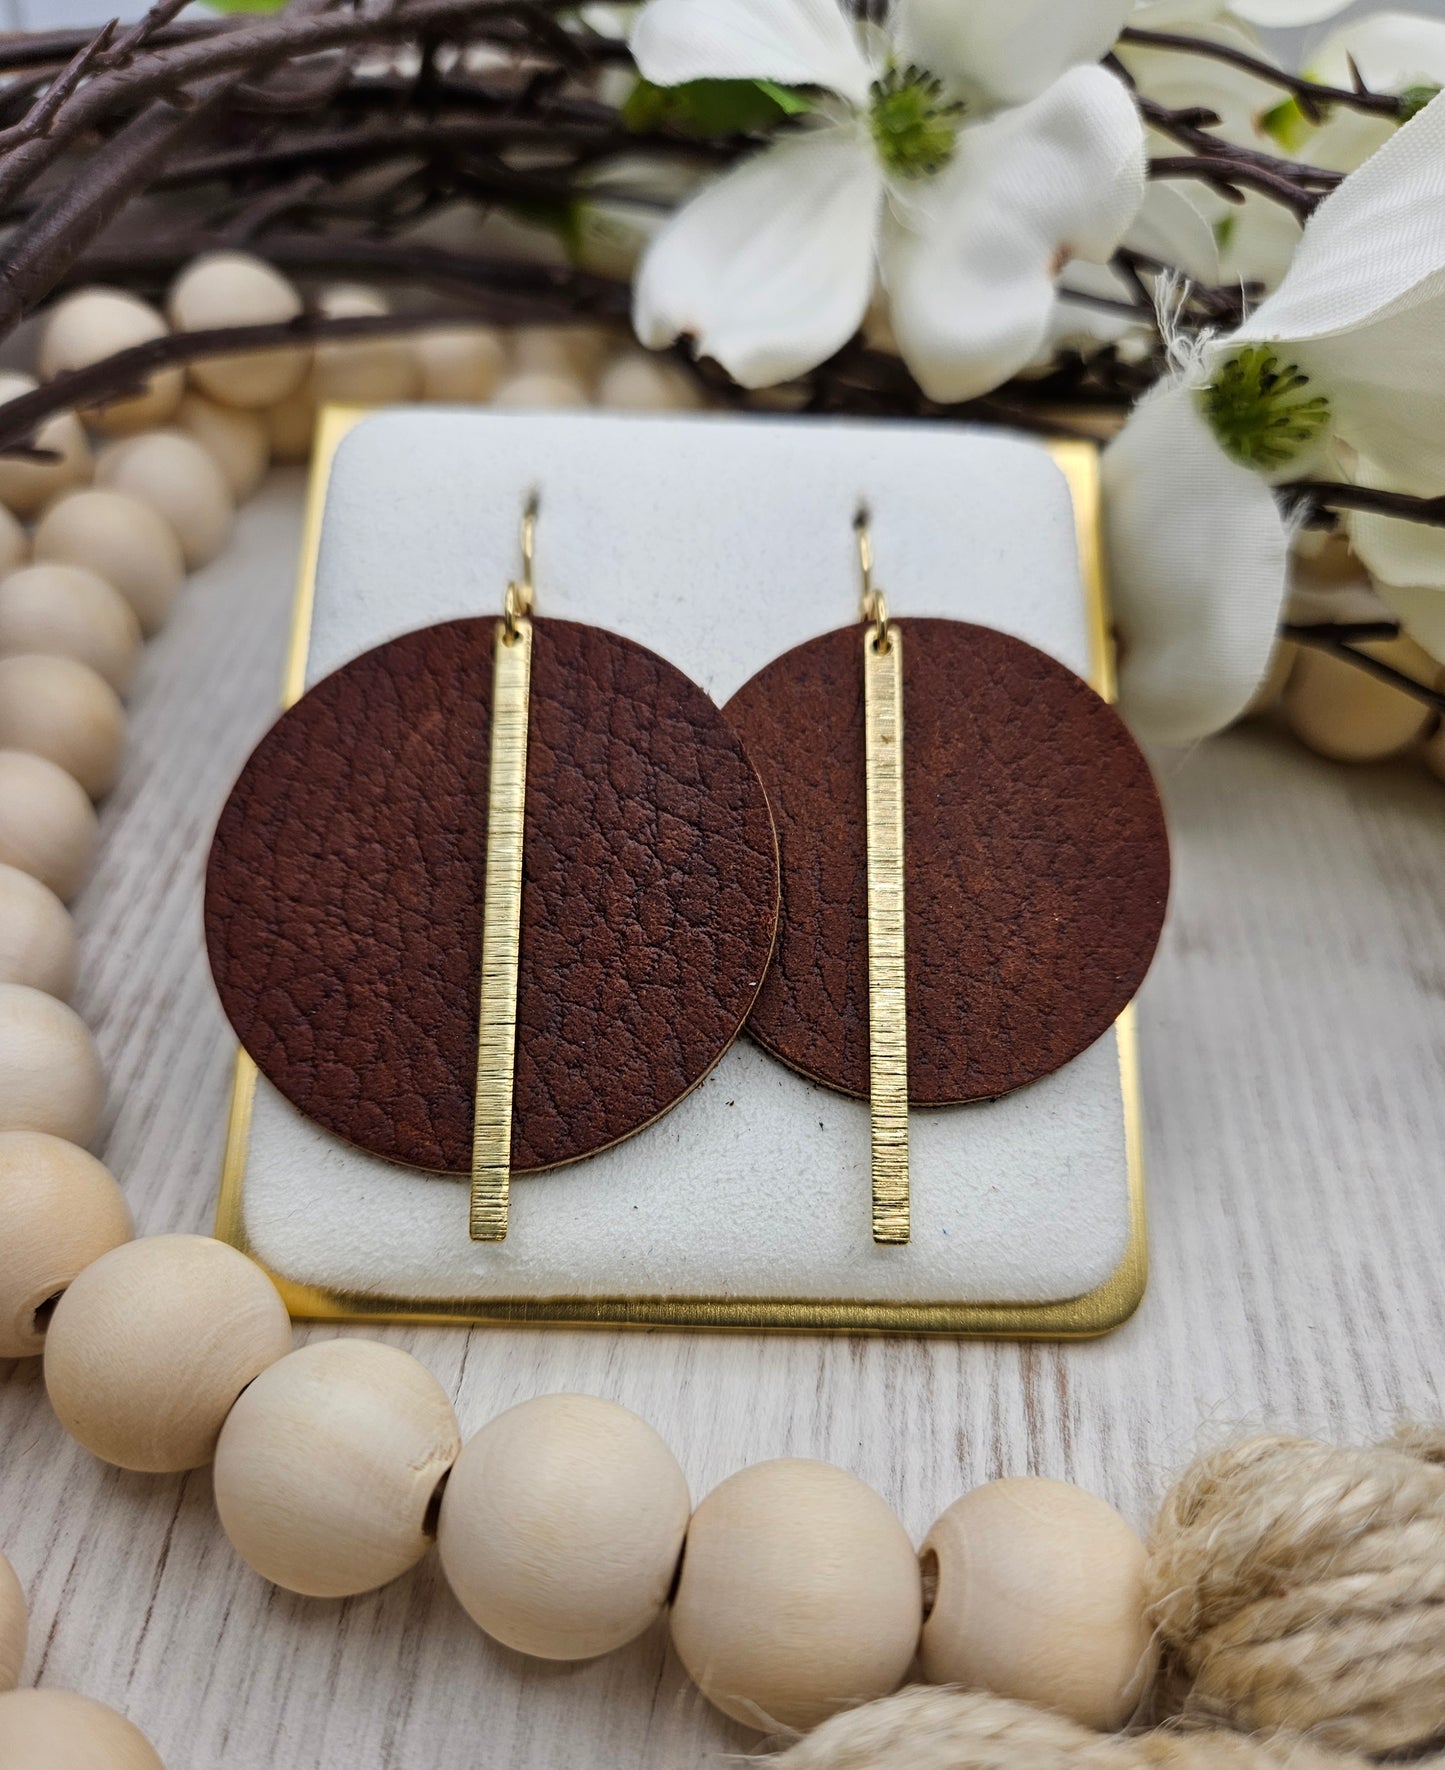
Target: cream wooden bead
<point>362,371</point>
<point>328,1464</point>
<point>800,1595</point>
<point>541,393</point>
<point>1038,1594</point>
<point>150,1346</point>
<point>239,289</point>
<point>1433,751</point>
<point>14,1626</point>
<point>561,1526</point>
<point>237,441</point>
<point>1344,713</point>
<point>180,480</point>
<point>122,540</point>
<point>570,351</point>
<point>26,485</point>
<point>65,711</point>
<point>462,366</point>
<point>50,1077</point>
<point>95,323</point>
<point>37,936</point>
<point>639,382</point>
<point>58,1730</point>
<point>291,424</point>
<point>59,1211</point>
<point>14,542</point>
<point>47,825</point>
<point>72,613</point>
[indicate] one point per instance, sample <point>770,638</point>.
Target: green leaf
<point>712,107</point>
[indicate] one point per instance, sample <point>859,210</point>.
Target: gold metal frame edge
<point>1096,1312</point>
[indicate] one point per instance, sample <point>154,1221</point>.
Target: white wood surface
<point>1294,1065</point>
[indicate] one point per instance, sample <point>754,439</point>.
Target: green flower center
<point>914,122</point>
<point>1260,411</point>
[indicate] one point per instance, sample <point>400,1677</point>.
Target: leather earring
<point>493,896</point>
<point>974,867</point>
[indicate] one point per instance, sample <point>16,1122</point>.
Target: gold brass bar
<point>887,984</point>
<point>501,930</point>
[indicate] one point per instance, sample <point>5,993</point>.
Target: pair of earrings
<point>497,894</point>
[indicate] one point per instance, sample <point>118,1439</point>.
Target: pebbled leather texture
<point>344,894</point>
<point>1036,860</point>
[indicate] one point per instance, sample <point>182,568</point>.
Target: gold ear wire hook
<point>521,593</point>
<point>874,605</point>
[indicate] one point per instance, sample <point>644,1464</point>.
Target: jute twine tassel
<point>939,1729</point>
<point>1301,1587</point>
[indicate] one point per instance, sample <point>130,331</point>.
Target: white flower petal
<point>1386,387</point>
<point>771,267</point>
<point>1003,52</point>
<point>1198,568</point>
<point>1421,612</point>
<point>1172,228</point>
<point>1392,50</point>
<point>1407,562</point>
<point>970,272</point>
<point>796,42</point>
<point>1275,13</point>
<point>1374,246</point>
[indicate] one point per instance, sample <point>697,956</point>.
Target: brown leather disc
<point>345,885</point>
<point>1036,860</point>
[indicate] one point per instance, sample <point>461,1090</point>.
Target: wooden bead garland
<point>94,323</point>
<point>70,612</point>
<point>328,1465</point>
<point>237,440</point>
<point>800,1595</point>
<point>26,486</point>
<point>14,1626</point>
<point>561,1526</point>
<point>37,936</point>
<point>60,1210</point>
<point>1038,1593</point>
<point>65,711</point>
<point>47,824</point>
<point>181,481</point>
<point>460,366</point>
<point>362,371</point>
<point>121,540</point>
<point>50,1078</point>
<point>59,1730</point>
<point>149,1348</point>
<point>238,289</point>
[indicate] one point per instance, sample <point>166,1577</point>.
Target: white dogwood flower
<point>959,157</point>
<point>1345,361</point>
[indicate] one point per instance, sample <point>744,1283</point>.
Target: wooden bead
<point>800,1595</point>
<point>95,323</point>
<point>26,485</point>
<point>14,542</point>
<point>181,481</point>
<point>72,613</point>
<point>37,936</point>
<point>461,366</point>
<point>561,1526</point>
<point>237,441</point>
<point>58,1730</point>
<point>541,393</point>
<point>60,1210</point>
<point>14,1625</point>
<point>239,289</point>
<point>1433,751</point>
<point>47,825</point>
<point>150,1346</point>
<point>50,1077</point>
<point>328,1464</point>
<point>291,424</point>
<point>637,382</point>
<point>65,711</point>
<point>568,351</point>
<point>362,371</point>
<point>1344,713</point>
<point>1038,1594</point>
<point>121,540</point>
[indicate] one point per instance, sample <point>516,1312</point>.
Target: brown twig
<point>1321,494</point>
<point>1312,94</point>
<point>1342,641</point>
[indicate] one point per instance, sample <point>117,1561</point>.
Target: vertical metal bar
<point>501,928</point>
<point>887,983</point>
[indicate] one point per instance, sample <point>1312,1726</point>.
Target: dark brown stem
<point>1321,494</point>
<point>1224,165</point>
<point>1311,93</point>
<point>1325,636</point>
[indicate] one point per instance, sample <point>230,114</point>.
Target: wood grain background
<point>1294,1065</point>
